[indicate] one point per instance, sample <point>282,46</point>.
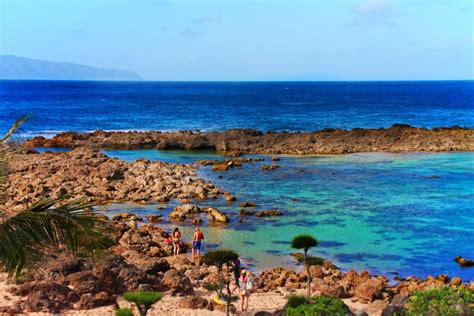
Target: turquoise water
<point>404,213</point>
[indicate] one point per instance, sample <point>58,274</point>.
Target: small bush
<point>442,301</point>
<point>304,242</point>
<point>320,306</point>
<point>295,301</point>
<point>123,312</point>
<point>143,299</point>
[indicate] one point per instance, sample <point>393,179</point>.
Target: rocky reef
<point>398,138</point>
<point>141,259</point>
<point>89,174</point>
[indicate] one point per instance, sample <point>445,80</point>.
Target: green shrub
<point>123,312</point>
<point>320,306</point>
<point>442,301</point>
<point>295,301</point>
<point>143,299</point>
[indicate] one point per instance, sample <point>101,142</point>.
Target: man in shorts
<point>197,238</point>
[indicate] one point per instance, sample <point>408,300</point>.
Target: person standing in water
<point>176,239</point>
<point>197,238</point>
<point>246,287</point>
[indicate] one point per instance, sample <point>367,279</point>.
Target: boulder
<point>370,289</point>
<point>181,212</point>
<point>177,282</point>
<point>248,204</point>
<point>217,215</point>
<point>268,213</point>
<point>464,262</point>
<point>376,308</point>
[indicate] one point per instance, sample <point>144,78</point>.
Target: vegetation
<point>442,301</point>
<point>219,258</point>
<point>144,300</point>
<point>295,301</point>
<point>48,222</point>
<point>123,312</point>
<point>319,306</point>
<point>306,242</point>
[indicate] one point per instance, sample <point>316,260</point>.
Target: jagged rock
<point>370,289</point>
<point>177,282</point>
<point>90,174</point>
<point>217,215</point>
<point>248,204</point>
<point>181,212</point>
<point>268,213</point>
<point>464,262</point>
<point>89,301</point>
<point>44,296</point>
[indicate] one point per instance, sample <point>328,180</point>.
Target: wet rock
<point>268,213</point>
<point>248,204</point>
<point>230,198</point>
<point>181,212</point>
<point>269,167</point>
<point>217,215</point>
<point>464,262</point>
<point>154,218</point>
<point>244,212</point>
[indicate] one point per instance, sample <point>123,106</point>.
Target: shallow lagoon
<point>405,213</point>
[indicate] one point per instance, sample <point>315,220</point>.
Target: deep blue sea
<point>408,213</point>
<point>293,106</point>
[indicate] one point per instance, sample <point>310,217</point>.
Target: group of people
<point>243,282</point>
<point>196,242</point>
<point>242,278</point>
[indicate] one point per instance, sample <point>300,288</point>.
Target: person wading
<point>176,239</point>
<point>197,238</point>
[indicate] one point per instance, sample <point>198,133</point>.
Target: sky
<point>249,40</point>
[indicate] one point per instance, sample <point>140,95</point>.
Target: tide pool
<point>405,213</point>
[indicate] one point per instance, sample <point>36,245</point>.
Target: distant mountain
<point>13,67</point>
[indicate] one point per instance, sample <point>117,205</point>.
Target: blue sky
<point>248,40</point>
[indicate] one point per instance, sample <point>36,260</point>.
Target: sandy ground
<point>168,305</point>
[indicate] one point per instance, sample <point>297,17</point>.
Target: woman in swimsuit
<point>176,241</point>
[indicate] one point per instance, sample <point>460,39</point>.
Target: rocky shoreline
<point>398,138</point>
<point>89,174</point>
<point>141,259</point>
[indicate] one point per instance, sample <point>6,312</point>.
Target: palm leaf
<point>49,222</point>
<point>24,236</point>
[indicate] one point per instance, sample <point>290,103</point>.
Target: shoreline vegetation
<point>140,258</point>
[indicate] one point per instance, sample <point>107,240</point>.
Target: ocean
<point>268,106</point>
<point>393,214</point>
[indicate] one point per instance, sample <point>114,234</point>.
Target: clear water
<point>294,106</point>
<point>406,213</point>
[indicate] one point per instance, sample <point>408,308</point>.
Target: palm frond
<point>13,128</point>
<point>70,225</point>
